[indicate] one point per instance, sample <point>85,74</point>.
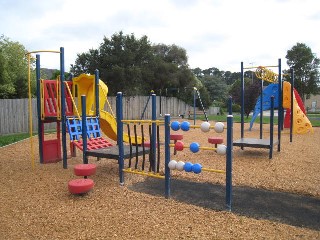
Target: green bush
<point>236,108</point>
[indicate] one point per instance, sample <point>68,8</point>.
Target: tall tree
<point>250,93</point>
<point>135,66</point>
<point>216,87</point>
<point>13,70</point>
<point>305,64</point>
<point>171,68</point>
<point>231,77</point>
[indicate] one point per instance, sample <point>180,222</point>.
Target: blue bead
<point>194,147</point>
<point>188,167</point>
<point>185,126</point>
<point>175,126</point>
<point>196,168</point>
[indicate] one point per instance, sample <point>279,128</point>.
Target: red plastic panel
<point>93,143</point>
<point>50,98</point>
<point>51,151</point>
<point>68,102</point>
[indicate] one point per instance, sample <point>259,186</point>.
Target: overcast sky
<point>215,33</point>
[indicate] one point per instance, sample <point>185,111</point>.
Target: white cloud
<point>215,33</point>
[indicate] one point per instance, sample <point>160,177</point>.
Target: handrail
<point>266,74</point>
<point>106,97</point>
<point>73,102</point>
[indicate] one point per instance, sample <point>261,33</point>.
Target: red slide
<point>288,112</point>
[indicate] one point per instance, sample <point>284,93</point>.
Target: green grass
<point>237,119</point>
<point>8,139</point>
<point>314,119</point>
<point>12,138</point>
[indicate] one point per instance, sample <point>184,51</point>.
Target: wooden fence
<point>14,113</point>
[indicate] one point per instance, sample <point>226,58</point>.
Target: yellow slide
<point>84,85</point>
<point>301,123</point>
<point>108,125</point>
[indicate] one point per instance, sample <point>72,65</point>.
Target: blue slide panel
<point>270,90</point>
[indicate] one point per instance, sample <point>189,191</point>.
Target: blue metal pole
<point>261,109</point>
<point>194,105</point>
<point>145,107</point>
<point>40,130</point>
<point>154,131</point>
<point>229,157</point>
<point>96,91</point>
<point>167,155</point>
<point>84,129</point>
<point>271,126</point>
<point>242,102</point>
<point>280,108</point>
<point>230,105</point>
<point>119,115</point>
<point>291,103</point>
<point>63,110</point>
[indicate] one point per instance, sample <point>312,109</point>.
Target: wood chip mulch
<point>272,199</point>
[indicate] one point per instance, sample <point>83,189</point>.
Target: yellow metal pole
<point>202,148</point>
<point>260,67</point>
<point>213,170</point>
<point>43,51</point>
<point>143,173</point>
<point>143,121</point>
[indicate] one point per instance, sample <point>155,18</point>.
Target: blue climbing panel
<point>74,125</point>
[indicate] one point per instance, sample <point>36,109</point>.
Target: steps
<point>82,185</point>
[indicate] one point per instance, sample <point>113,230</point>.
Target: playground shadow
<point>287,208</point>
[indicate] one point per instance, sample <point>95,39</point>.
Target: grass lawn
<point>314,119</point>
<point>8,139</point>
<point>12,138</point>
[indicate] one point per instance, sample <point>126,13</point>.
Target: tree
<point>305,65</point>
<point>135,66</point>
<point>216,87</point>
<point>250,94</point>
<point>231,77</point>
<point>13,69</point>
<point>171,68</point>
<point>215,82</point>
<point>56,73</point>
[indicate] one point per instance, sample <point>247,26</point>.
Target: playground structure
<point>275,95</point>
<point>154,168</point>
<point>295,117</point>
<point>62,105</point>
<point>260,142</point>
